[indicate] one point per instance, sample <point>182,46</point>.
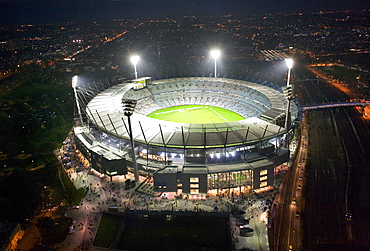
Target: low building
<point>194,180</point>
<point>10,234</point>
<point>198,180</point>
<point>102,158</point>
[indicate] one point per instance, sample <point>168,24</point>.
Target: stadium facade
<point>189,159</point>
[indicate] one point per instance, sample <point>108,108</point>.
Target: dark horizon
<point>50,11</point>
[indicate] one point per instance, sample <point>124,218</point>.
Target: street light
<point>289,64</point>
<point>215,54</point>
<point>134,61</point>
<point>128,109</point>
<point>74,86</point>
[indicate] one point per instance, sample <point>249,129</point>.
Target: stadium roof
<point>105,111</point>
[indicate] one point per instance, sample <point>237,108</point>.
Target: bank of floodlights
<point>215,54</point>
<point>128,106</point>
<point>134,61</point>
<point>288,92</point>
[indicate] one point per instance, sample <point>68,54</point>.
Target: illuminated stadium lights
<point>74,81</point>
<point>288,92</point>
<point>74,86</point>
<point>289,64</point>
<point>215,54</point>
<point>134,61</point>
<point>128,106</point>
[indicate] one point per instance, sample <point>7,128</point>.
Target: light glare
<point>289,63</point>
<point>74,81</point>
<point>135,60</point>
<point>215,53</point>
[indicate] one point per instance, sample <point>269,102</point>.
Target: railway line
<point>337,156</point>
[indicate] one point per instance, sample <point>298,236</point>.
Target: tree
<point>47,228</point>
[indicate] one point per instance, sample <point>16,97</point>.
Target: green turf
<point>108,229</point>
<point>196,114</point>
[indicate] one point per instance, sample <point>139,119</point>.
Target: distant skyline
<point>53,11</point>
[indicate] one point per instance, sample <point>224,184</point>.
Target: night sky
<point>51,11</point>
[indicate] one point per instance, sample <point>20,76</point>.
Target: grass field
<point>196,114</point>
<point>184,232</point>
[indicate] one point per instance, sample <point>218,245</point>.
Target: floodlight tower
<point>289,64</point>
<point>128,109</point>
<point>134,61</point>
<point>74,86</point>
<point>215,54</point>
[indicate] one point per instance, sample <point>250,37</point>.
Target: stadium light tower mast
<point>128,109</point>
<point>74,86</point>
<point>289,64</point>
<point>215,54</point>
<point>134,61</point>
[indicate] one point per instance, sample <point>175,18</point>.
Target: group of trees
<point>23,191</point>
<point>37,109</point>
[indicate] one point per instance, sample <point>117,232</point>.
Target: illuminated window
<point>263,178</point>
<point>194,179</point>
<point>263,184</point>
<point>194,191</point>
<point>194,185</point>
<point>264,172</point>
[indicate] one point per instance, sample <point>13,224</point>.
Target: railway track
<point>336,155</point>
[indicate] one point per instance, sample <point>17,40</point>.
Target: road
<point>286,228</point>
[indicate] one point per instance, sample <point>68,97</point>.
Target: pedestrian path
<point>103,191</point>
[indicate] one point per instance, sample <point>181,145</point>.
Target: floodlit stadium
<point>170,127</point>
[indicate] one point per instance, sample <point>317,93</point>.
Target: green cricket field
<point>196,114</point>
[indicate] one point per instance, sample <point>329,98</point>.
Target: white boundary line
<point>218,114</point>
